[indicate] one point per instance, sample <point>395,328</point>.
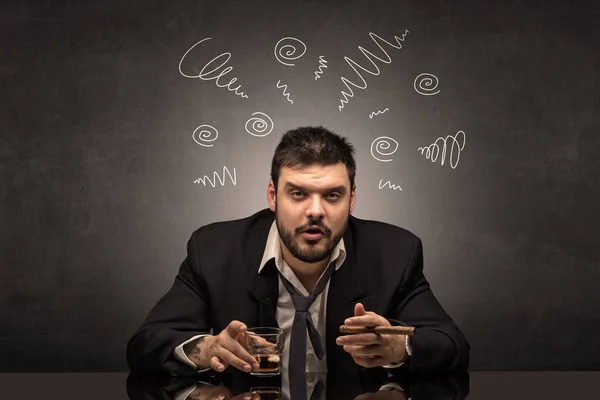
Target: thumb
<point>359,309</point>
<point>236,328</point>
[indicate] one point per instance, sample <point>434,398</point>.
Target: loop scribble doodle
<point>381,144</point>
<point>259,127</point>
<point>426,84</point>
<point>208,75</point>
<point>432,151</point>
<point>287,51</point>
<point>205,135</point>
<point>370,56</point>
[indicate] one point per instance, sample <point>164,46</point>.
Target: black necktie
<point>302,322</point>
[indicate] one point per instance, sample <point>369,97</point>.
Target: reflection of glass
<point>266,345</point>
<point>266,392</point>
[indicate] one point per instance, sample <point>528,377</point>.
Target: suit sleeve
<point>183,312</point>
<point>438,345</point>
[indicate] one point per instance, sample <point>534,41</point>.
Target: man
<point>251,272</point>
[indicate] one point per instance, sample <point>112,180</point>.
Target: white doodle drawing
<point>389,184</point>
<point>322,66</point>
<point>287,95</point>
<point>378,112</point>
<point>205,135</point>
<point>370,56</point>
<point>426,84</point>
<point>288,50</point>
<point>381,144</point>
<point>432,152</point>
<point>210,75</point>
<point>259,125</point>
<point>218,177</point>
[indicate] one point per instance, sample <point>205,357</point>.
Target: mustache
<point>312,224</point>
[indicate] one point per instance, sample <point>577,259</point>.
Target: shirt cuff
<point>179,354</point>
<point>408,347</point>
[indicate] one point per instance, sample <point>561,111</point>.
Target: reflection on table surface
<point>488,385</point>
<point>320,386</point>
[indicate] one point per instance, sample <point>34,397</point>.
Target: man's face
<point>312,205</point>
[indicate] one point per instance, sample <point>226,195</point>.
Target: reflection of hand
<point>204,392</point>
<point>383,395</point>
<point>218,352</point>
<point>372,349</point>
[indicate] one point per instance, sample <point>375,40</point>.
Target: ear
<point>352,198</point>
<point>271,195</point>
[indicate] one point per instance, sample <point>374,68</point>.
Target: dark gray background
<point>97,161</point>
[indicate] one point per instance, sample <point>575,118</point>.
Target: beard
<point>310,253</point>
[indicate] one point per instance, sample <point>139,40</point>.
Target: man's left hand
<point>372,349</point>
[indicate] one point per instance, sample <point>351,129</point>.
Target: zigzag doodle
<point>287,95</point>
<point>378,112</point>
<point>216,176</point>
<point>370,56</point>
<point>389,184</point>
<point>322,66</point>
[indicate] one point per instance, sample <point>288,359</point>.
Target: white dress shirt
<point>285,310</point>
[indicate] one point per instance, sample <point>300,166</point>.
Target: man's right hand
<point>218,352</point>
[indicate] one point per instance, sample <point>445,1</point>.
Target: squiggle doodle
<point>259,125</point>
<point>370,56</point>
<point>287,51</point>
<point>287,95</point>
<point>322,66</point>
<point>203,135</point>
<point>378,112</point>
<point>433,150</point>
<point>389,184</point>
<point>206,75</point>
<point>216,176</point>
<point>382,143</point>
<point>425,84</point>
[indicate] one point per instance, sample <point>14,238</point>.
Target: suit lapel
<point>345,290</point>
<point>264,287</point>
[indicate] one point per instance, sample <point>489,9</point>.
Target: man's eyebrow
<point>339,188</point>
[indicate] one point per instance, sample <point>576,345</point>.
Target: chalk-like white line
<point>381,144</point>
<point>259,125</point>
<point>287,51</point>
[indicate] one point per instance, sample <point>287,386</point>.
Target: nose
<point>315,208</point>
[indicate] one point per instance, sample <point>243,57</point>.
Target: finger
<point>240,352</point>
<point>217,364</point>
<point>235,328</point>
<point>367,320</point>
<point>360,339</point>
<point>243,364</point>
<point>359,309</point>
<point>259,341</point>
<point>364,351</point>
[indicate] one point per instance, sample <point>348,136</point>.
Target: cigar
<point>389,330</point>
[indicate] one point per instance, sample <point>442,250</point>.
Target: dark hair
<point>308,145</point>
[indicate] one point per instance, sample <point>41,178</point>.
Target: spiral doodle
<point>259,125</point>
<point>203,135</point>
<point>426,84</point>
<point>287,51</point>
<point>381,144</point>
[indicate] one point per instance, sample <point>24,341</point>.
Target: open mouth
<point>313,233</point>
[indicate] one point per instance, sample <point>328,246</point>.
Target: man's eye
<point>333,196</point>
<point>297,194</point>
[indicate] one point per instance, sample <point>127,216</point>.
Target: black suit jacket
<point>219,282</point>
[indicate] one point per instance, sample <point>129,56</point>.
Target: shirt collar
<point>273,250</point>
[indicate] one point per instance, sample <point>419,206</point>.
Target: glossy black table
<point>478,385</point>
